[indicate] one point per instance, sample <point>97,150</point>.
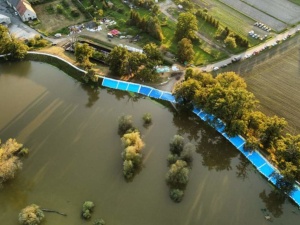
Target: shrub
<point>125,124</point>
<point>186,154</point>
<point>176,144</point>
<point>147,118</point>
<point>65,4</point>
<point>172,158</point>
<point>75,13</point>
<point>87,209</point>
<point>178,175</point>
<point>31,215</point>
<point>59,9</point>
<point>99,222</point>
<point>176,195</point>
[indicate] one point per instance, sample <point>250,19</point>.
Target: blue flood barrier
<point>145,90</point>
<point>168,97</point>
<point>266,170</point>
<point>122,86</point>
<point>295,195</point>
<point>237,141</point>
<point>244,151</point>
<point>196,111</point>
<point>155,93</point>
<point>256,159</point>
<point>133,87</point>
<point>110,83</point>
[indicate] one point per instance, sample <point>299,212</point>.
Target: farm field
<point>231,18</point>
<point>274,78</point>
<point>283,10</point>
<point>51,21</point>
<point>256,14</point>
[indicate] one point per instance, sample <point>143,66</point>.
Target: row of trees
<point>227,98</point>
<point>10,45</point>
<point>179,162</point>
<point>10,163</point>
<point>150,25</point>
<point>230,38</point>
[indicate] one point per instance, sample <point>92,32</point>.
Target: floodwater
<point>75,155</point>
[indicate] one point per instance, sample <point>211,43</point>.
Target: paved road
<point>251,52</point>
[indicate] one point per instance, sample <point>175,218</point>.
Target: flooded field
<point>75,155</point>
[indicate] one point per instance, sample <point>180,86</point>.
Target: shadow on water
<point>243,167</point>
<point>93,93</point>
<point>273,202</point>
<point>22,70</point>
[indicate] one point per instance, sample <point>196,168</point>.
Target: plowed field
<point>274,77</point>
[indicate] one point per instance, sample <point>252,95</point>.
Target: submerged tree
<point>31,215</point>
<point>87,209</point>
<point>9,159</point>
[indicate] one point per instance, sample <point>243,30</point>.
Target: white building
<point>4,19</point>
<point>23,8</point>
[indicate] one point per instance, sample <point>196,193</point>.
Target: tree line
<point>226,97</point>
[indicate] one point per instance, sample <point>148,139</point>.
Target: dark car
<point>236,59</point>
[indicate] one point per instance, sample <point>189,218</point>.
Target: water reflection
<point>22,70</point>
<point>273,201</point>
<point>242,168</point>
<point>93,94</point>
<point>216,154</point>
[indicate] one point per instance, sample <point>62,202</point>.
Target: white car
<point>16,13</point>
<point>215,68</point>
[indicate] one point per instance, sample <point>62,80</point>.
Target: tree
<point>155,10</point>
<point>9,160</point>
<point>147,118</point>
<point>186,26</point>
<point>185,92</point>
<point>118,61</point>
<point>135,60</point>
<point>176,195</point>
<point>10,45</point>
<point>153,54</point>
<point>31,215</point>
<point>83,52</point>
<point>125,124</point>
<point>185,52</point>
<point>87,209</point>
<point>273,131</point>
<point>230,42</point>
<point>178,175</point>
<point>176,144</point>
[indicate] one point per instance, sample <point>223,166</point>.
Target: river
<point>75,155</point>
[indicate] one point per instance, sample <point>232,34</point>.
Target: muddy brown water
<point>75,155</point>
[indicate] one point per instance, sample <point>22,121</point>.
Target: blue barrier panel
<point>109,83</point>
<point>203,116</point>
<point>295,195</point>
<point>266,170</point>
<point>155,93</point>
<point>133,87</point>
<point>168,97</point>
<point>273,180</point>
<point>244,151</point>
<point>145,90</point>
<point>220,126</point>
<point>122,86</point>
<point>237,141</point>
<point>210,117</point>
<point>256,159</point>
<point>196,111</point>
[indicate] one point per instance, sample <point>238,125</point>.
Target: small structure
<point>4,19</point>
<point>180,7</point>
<point>23,8</point>
<point>115,32</point>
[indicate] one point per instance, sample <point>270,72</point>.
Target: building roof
<point>24,5</point>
